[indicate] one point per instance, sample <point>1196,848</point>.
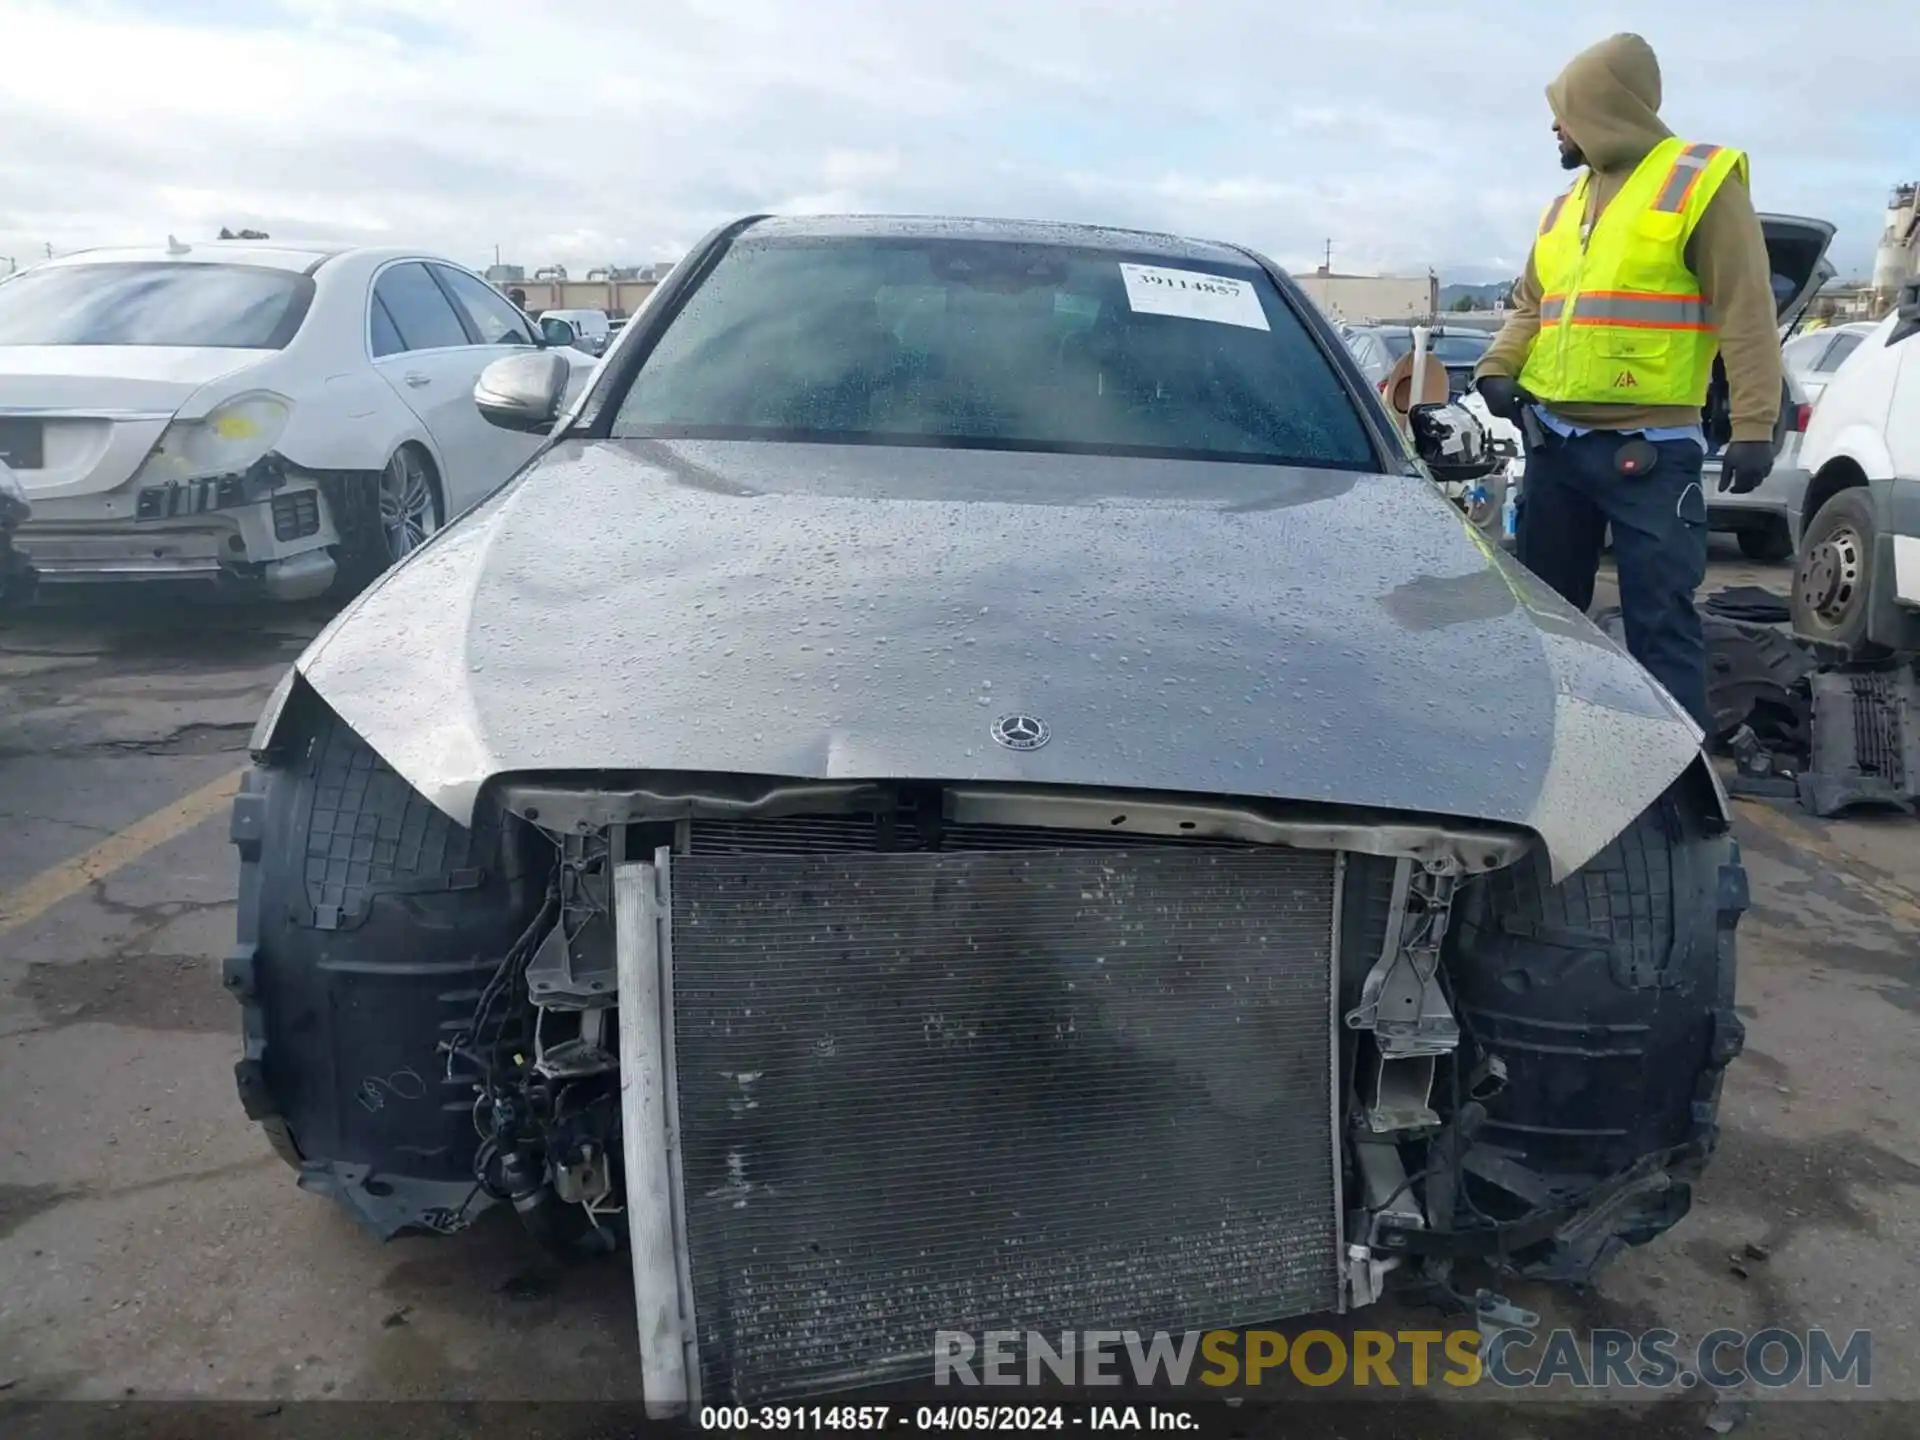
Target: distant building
<point>1849,300</point>
<point>1897,259</point>
<point>618,299</point>
<point>617,290</point>
<point>1356,299</point>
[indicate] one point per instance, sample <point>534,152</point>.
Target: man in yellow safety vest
<point>1647,268</point>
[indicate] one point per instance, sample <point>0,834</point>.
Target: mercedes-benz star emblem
<point>1021,732</point>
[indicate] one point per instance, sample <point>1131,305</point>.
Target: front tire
<point>1833,583</point>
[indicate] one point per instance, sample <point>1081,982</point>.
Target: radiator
<point>1026,1086</point>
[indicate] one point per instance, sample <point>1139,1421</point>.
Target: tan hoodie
<point>1608,100</point>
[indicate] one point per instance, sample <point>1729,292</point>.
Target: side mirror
<point>1909,312</point>
<point>558,332</point>
<point>1451,442</point>
<point>523,392</point>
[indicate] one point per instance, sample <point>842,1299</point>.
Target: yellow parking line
<point>70,877</point>
<point>1898,901</point>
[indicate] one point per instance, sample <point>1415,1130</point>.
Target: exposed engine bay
<point>1394,1141</point>
<point>544,1064</point>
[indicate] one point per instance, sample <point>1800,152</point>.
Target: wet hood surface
<point>869,612</point>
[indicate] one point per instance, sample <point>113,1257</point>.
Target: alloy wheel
<point>407,511</point>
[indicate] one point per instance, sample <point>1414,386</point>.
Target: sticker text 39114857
<point>1193,295</point>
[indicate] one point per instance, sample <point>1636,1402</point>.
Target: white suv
<point>289,418</point>
<point>1857,584</point>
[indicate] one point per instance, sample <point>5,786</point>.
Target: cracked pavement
<point>151,1245</point>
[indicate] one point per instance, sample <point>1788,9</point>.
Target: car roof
<point>292,256</point>
<point>1019,232</point>
<point>212,252</point>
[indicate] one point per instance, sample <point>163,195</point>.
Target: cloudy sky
<point>1409,132</point>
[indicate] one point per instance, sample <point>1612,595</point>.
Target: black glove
<point>1503,396</point>
<point>1744,464</point>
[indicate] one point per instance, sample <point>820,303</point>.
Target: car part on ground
<point>1804,721</point>
<point>752,944</point>
<point>235,419</point>
<point>1866,739</point>
<point>1757,675</point>
<point>1759,772</point>
<point>1754,604</point>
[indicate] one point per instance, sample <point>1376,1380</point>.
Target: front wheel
<point>1833,583</point>
<point>382,518</point>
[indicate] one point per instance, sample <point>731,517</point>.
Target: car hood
<point>868,612</point>
<point>97,379</point>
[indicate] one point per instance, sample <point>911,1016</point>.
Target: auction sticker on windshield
<point>1193,295</point>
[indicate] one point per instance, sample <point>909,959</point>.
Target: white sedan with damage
<point>289,419</point>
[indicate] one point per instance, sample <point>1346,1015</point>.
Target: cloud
<point>1407,134</point>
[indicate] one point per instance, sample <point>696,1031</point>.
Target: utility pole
<point>1329,254</point>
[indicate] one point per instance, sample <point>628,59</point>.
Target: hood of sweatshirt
<point>1608,101</point>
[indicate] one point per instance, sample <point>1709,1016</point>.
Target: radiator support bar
<point>657,1243</point>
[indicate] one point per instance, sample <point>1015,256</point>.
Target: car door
<point>498,330</point>
<point>423,349</point>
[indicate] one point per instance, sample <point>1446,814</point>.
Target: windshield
<point>1447,349</point>
<point>239,307</point>
<point>993,344</point>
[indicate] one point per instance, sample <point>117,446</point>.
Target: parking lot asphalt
<point>151,1246</point>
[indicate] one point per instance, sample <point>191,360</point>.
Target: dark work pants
<point>1571,493</point>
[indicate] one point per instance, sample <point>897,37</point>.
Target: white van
<point>1857,584</point>
<point>590,330</point>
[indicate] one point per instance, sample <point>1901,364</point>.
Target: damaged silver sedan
<point>975,783</point>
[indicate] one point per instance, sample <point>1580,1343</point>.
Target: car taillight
<point>1802,415</point>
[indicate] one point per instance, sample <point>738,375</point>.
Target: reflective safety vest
<point>1622,320</point>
